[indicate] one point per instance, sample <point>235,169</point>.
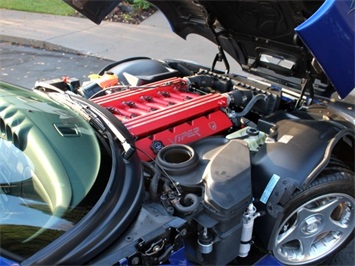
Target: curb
<point>41,45</point>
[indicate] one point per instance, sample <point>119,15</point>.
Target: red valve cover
<point>164,113</point>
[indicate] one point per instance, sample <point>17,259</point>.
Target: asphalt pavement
<point>25,65</point>
<point>109,40</point>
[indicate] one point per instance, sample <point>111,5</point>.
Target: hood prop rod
<point>306,84</point>
<point>220,56</point>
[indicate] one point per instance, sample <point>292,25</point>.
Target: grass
<point>55,7</point>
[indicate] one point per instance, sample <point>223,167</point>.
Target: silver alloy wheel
<point>315,229</point>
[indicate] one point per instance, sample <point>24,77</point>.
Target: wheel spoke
<point>328,206</point>
<point>296,233</point>
<point>331,225</point>
<point>287,236</point>
<point>292,232</point>
<point>304,213</point>
<point>341,226</point>
<point>306,246</point>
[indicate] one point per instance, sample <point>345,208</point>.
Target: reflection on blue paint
<point>7,262</point>
<point>178,258</point>
<point>329,35</point>
<point>268,260</point>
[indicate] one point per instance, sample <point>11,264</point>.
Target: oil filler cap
<point>156,146</point>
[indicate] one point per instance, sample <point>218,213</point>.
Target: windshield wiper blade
<point>95,117</point>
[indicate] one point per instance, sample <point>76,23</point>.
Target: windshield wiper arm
<point>95,117</point>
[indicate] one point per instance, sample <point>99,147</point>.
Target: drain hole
<point>67,130</point>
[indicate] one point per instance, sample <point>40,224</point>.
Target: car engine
<point>196,132</point>
<point>167,113</point>
<point>195,149</point>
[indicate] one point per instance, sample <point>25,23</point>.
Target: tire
<point>319,220</point>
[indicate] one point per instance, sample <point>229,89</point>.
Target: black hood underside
<point>259,35</point>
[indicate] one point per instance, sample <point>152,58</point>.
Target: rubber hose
<point>190,208</point>
<point>153,187</point>
<point>250,105</point>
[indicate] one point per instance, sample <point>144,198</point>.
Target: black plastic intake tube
<point>240,96</point>
<point>206,81</point>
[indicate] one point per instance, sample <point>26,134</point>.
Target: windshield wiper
<point>96,118</point>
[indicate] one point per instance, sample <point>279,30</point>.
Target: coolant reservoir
<point>97,83</point>
<point>252,136</point>
<point>106,80</point>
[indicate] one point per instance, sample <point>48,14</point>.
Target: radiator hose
<point>191,199</point>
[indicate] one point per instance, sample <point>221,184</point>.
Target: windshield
<point>53,169</point>
<point>28,219</point>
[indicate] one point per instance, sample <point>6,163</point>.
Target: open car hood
<point>285,41</point>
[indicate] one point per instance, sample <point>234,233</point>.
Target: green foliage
<point>55,7</point>
<point>140,4</point>
<point>127,17</point>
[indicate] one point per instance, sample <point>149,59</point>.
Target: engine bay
<point>212,146</point>
<point>194,140</point>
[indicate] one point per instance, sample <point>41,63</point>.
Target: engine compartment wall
<point>293,150</point>
<point>295,153</point>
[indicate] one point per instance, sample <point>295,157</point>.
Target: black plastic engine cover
<point>298,147</point>
<point>227,182</point>
<point>227,178</point>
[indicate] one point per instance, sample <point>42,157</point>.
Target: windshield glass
<point>53,169</point>
<point>28,219</point>
<point>23,212</point>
